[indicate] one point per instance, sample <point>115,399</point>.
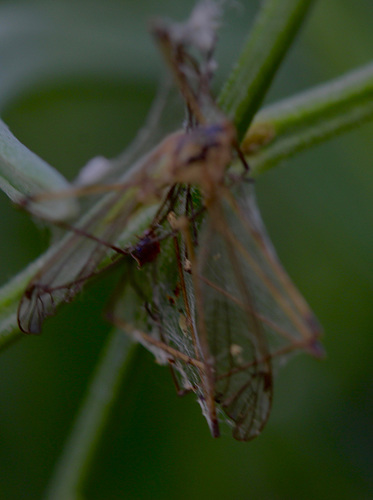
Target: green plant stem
<point>273,32</point>
<point>297,123</point>
<point>23,173</point>
<point>115,364</point>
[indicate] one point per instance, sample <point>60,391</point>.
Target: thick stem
<point>23,173</point>
<point>274,30</point>
<point>297,123</point>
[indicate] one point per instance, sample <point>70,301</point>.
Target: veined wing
<point>251,311</point>
<point>288,320</point>
<point>203,324</point>
<point>163,318</point>
<point>72,262</point>
<point>223,325</point>
<point>226,315</point>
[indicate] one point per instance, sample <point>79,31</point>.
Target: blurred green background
<point>76,80</point>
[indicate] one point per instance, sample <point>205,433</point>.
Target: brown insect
<point>219,308</point>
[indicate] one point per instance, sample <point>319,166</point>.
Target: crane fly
<point>211,299</point>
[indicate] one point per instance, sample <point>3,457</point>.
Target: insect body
<point>236,312</point>
<point>80,252</point>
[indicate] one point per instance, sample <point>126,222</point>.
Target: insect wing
<point>235,336</point>
<point>289,323</point>
<point>73,261</point>
<point>251,311</point>
<point>164,319</point>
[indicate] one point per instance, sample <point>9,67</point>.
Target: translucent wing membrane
<point>253,314</point>
<point>285,315</point>
<point>71,264</point>
<point>225,312</point>
<point>235,334</point>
